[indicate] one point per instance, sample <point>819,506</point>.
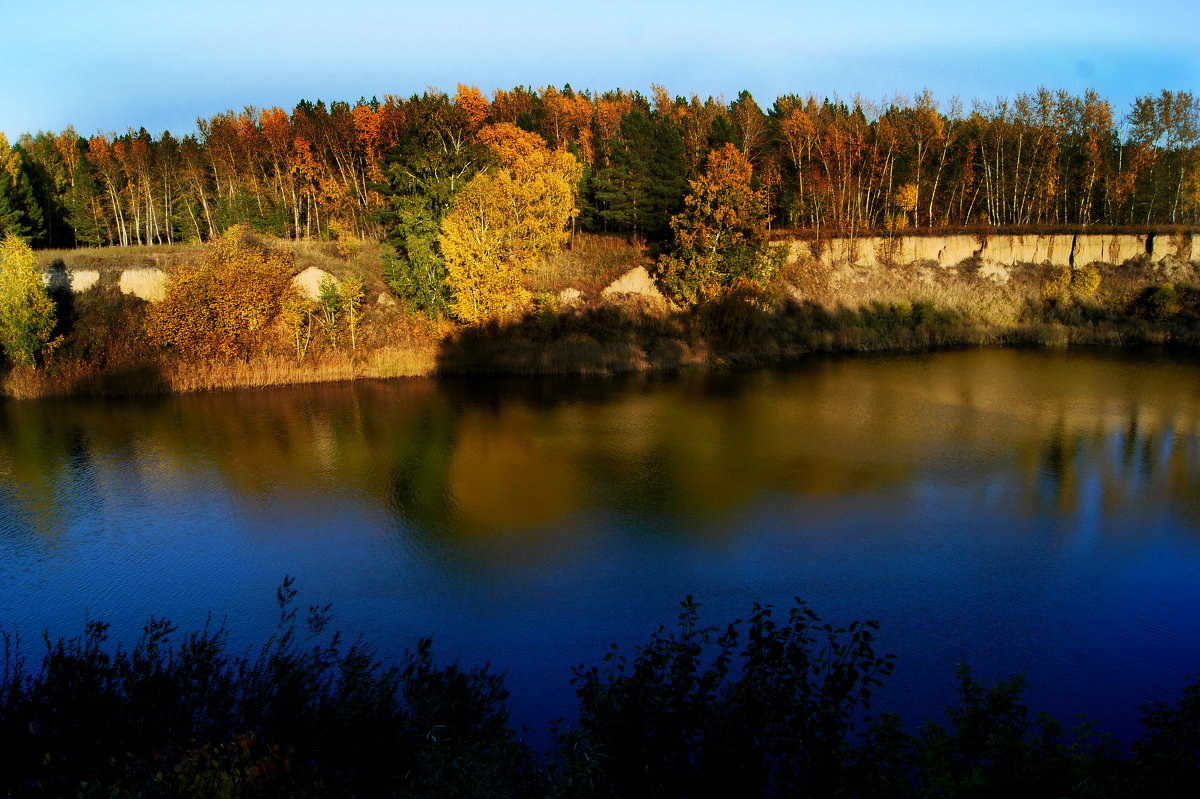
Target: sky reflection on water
<point>1018,511</point>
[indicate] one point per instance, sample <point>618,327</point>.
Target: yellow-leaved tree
<point>26,311</point>
<point>504,219</point>
<point>223,305</point>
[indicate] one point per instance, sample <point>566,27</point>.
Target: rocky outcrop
<point>149,284</point>
<point>308,282</point>
<point>958,248</point>
<point>1054,250</point>
<point>1101,249</point>
<point>635,281</point>
<point>570,296</point>
<point>83,279</point>
<point>75,280</point>
<point>1174,248</point>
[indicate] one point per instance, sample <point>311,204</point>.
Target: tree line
<point>390,169</point>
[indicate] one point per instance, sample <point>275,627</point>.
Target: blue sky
<point>107,66</point>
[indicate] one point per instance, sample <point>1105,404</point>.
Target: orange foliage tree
<point>504,219</point>
<point>473,104</point>
<point>721,236</point>
<point>223,306</point>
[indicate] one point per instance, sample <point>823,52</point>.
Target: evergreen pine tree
<point>645,185</point>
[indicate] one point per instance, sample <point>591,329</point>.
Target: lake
<point>1019,511</point>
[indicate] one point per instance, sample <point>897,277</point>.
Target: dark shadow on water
<point>603,340</point>
<point>145,379</point>
<point>733,331</point>
<point>58,286</point>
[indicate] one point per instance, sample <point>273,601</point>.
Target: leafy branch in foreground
<point>762,707</point>
<point>771,706</point>
<point>308,715</point>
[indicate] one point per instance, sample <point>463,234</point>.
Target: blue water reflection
<point>1017,511</point>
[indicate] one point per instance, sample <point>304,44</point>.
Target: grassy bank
<point>570,327</point>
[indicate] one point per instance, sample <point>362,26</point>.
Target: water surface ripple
<point>1018,511</point>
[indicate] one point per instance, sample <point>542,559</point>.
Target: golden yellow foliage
<point>906,197</point>
<point>10,160</point>
<point>504,219</point>
<point>26,312</point>
<point>1085,280</point>
<point>222,305</point>
<point>1056,281</point>
<point>345,239</point>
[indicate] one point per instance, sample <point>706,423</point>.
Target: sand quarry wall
<point>992,254</point>
<point>1005,250</point>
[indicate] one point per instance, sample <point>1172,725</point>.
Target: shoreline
<point>596,309</point>
<point>498,358</point>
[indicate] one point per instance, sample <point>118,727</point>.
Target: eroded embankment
<point>864,294</point>
<point>996,252</point>
<point>995,255</point>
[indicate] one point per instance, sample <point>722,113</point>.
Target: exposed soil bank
<point>596,310</point>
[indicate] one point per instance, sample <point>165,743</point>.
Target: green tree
<point>49,177</point>
<point>26,311</point>
<point>644,184</point>
<point>721,235</point>
<point>353,292</point>
<point>424,172</point>
<point>83,202</point>
<point>330,308</point>
<point>20,213</point>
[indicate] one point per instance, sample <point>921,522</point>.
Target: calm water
<point>1018,511</point>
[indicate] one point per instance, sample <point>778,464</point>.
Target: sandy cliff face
<point>149,284</point>
<point>1091,249</point>
<point>992,251</point>
<point>992,255</point>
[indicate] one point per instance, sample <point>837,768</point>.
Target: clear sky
<point>108,66</point>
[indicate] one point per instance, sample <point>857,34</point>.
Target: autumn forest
<point>1001,509</point>
<point>1047,158</point>
<point>452,212</point>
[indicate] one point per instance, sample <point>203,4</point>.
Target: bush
<point>307,716</point>
<point>736,314</point>
<point>26,310</point>
<point>1085,280</point>
<point>222,306</point>
<point>1168,755</point>
<point>1056,282</point>
<point>771,706</point>
<point>419,279</point>
<point>763,707</point>
<point>993,746</point>
<point>1161,302</point>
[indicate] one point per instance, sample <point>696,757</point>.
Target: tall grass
<point>589,264</point>
<point>161,376</point>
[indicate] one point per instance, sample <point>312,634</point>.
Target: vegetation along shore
<point>563,232</point>
<point>778,704</point>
